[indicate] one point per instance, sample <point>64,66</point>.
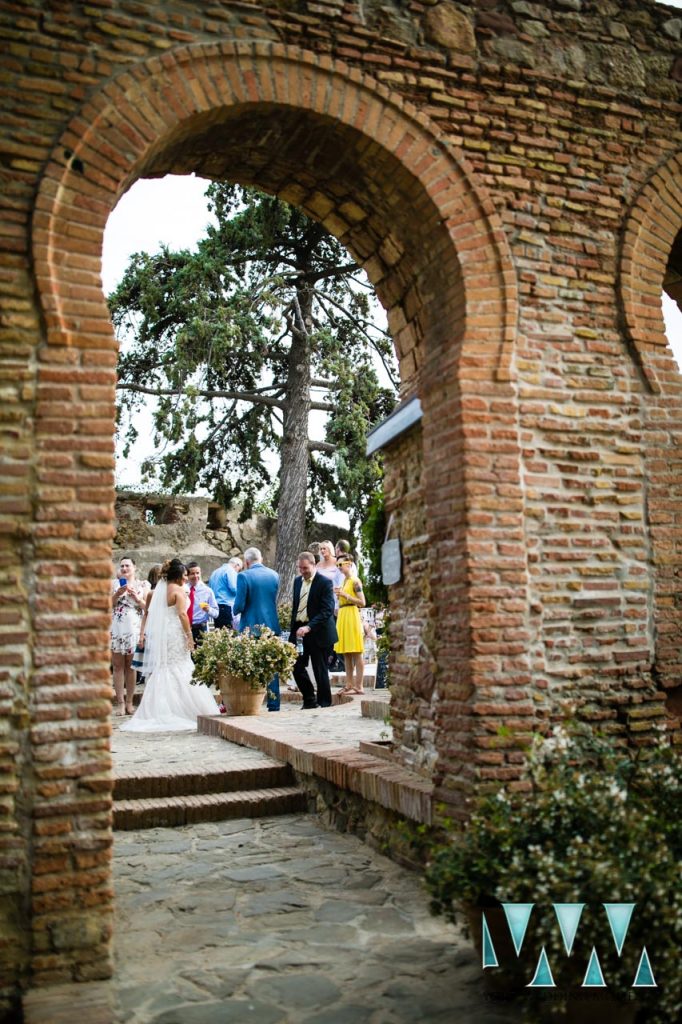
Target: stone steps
<point>172,811</point>
<point>184,798</point>
<point>138,785</point>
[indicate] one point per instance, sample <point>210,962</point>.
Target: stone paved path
<point>280,921</point>
<point>343,725</point>
<point>154,752</point>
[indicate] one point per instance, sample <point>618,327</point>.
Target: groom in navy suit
<point>312,621</point>
<point>256,602</point>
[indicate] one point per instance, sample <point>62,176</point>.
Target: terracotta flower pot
<point>238,697</point>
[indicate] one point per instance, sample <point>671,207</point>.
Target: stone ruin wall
<point>152,527</point>
<point>510,175</point>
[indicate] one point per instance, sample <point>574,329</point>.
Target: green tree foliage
<point>372,533</point>
<point>237,343</point>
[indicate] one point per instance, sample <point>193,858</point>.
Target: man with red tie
<point>203,606</point>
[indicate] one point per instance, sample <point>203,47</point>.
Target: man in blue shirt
<point>256,604</point>
<point>202,603</point>
<point>223,583</point>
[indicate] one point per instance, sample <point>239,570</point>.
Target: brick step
<point>369,681</point>
<point>170,812</point>
<point>139,785</point>
<point>376,706</point>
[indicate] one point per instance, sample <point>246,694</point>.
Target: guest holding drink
<point>203,607</point>
<point>128,601</point>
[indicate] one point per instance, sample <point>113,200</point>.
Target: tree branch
<point>321,298</point>
<point>239,396</point>
<point>321,446</point>
<point>321,275</point>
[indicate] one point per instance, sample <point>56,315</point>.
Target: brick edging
<point>372,778</point>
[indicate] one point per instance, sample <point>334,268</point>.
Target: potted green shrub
<point>594,824</point>
<point>241,665</point>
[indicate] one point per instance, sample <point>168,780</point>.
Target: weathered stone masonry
<point>509,173</point>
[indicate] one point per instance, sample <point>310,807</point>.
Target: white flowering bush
<point>599,825</point>
<point>254,655</point>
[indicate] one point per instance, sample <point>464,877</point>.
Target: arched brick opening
<point>649,238</point>
<point>374,171</point>
<point>672,282</point>
<point>649,255</point>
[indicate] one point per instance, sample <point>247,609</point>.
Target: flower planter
<point>238,696</point>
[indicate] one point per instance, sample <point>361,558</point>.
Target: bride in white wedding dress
<point>170,703</point>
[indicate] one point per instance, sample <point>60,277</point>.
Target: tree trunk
<point>293,474</point>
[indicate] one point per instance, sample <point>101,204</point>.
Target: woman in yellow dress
<point>351,642</point>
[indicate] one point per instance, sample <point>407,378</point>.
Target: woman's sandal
<point>130,708</point>
<point>120,710</point>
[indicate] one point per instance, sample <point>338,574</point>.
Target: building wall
<point>509,175</point>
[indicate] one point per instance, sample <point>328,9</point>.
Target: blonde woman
<point>351,642</point>
<point>328,566</point>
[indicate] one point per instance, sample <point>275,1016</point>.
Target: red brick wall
<point>509,176</point>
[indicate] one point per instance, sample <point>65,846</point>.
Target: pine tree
<point>238,342</point>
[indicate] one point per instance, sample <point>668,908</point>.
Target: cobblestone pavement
<point>343,724</point>
<point>281,921</point>
<point>174,750</point>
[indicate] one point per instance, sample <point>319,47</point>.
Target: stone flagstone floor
<point>280,921</point>
<point>277,920</point>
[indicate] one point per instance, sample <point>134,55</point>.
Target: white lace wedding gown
<point>170,703</point>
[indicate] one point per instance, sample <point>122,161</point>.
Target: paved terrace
<point>273,920</point>
<point>332,744</point>
<point>344,724</point>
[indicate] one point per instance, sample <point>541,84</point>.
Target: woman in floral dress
<point>128,599</point>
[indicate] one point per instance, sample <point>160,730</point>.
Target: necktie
<point>190,610</point>
<point>302,612</point>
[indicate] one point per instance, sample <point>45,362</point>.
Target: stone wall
<point>509,174</point>
<point>151,528</point>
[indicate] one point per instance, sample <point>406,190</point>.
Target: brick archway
<point>141,123</point>
<point>651,230</point>
<point>376,173</point>
<point>654,222</point>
